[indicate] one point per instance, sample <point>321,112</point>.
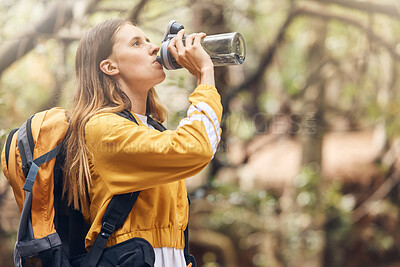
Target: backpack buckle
<point>26,168</point>
<point>107,229</point>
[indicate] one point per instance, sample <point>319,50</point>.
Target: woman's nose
<point>154,49</point>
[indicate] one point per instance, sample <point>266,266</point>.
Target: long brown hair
<point>96,93</point>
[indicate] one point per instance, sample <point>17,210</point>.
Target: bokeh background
<point>307,173</point>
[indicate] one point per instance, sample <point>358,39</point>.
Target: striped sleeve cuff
<point>207,116</point>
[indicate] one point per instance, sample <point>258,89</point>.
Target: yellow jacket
<point>126,157</point>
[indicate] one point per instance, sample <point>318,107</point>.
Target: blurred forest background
<point>308,171</point>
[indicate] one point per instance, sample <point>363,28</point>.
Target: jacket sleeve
<point>129,157</point>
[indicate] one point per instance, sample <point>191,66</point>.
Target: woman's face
<point>135,58</point>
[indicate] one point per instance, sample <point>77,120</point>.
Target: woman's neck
<point>138,102</point>
<point>138,98</point>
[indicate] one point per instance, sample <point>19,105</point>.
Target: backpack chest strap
<point>35,164</point>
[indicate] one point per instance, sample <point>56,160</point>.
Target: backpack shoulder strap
<point>127,115</point>
<point>155,124</point>
<point>189,258</point>
<point>114,217</point>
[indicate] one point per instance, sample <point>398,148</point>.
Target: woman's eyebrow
<point>134,38</point>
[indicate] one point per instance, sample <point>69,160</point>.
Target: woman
<point>116,70</point>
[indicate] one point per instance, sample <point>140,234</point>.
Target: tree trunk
<point>313,108</point>
<point>312,130</point>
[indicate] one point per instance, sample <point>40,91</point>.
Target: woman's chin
<point>162,78</point>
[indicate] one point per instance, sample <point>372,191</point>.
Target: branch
<point>134,14</point>
<point>58,15</point>
<point>266,57</point>
<point>109,9</point>
<point>389,10</point>
<point>376,197</point>
<point>311,78</point>
<point>324,14</point>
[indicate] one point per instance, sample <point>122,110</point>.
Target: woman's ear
<point>109,67</point>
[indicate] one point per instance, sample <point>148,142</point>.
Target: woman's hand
<point>193,57</point>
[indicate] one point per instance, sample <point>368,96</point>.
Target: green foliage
<point>296,230</point>
<point>246,217</point>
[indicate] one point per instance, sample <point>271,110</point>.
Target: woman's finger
<point>178,40</point>
<point>197,39</point>
<point>172,48</point>
<point>189,40</point>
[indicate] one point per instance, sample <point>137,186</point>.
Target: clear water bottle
<point>224,49</point>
